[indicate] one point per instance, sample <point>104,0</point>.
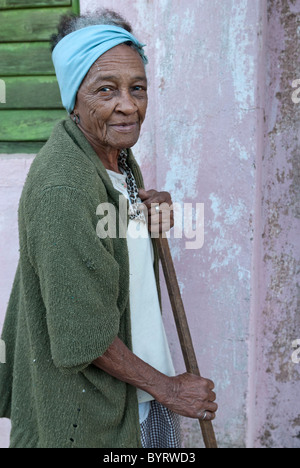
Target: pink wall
<point>221,130</point>
<point>275,404</point>
<point>13,170</point>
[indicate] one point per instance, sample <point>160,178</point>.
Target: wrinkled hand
<point>162,221</point>
<point>190,396</point>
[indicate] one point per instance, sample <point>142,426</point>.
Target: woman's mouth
<point>125,127</point>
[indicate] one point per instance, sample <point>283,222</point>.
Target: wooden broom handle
<point>183,329</point>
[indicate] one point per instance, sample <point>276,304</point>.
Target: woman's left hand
<point>159,206</point>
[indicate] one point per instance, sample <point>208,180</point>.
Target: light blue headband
<point>77,52</point>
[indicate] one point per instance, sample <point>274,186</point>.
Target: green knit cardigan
<point>70,300</point>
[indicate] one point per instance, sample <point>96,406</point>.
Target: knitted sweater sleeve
<point>78,278</point>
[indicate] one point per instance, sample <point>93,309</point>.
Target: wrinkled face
<point>112,100</point>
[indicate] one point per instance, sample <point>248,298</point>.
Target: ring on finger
<point>204,416</point>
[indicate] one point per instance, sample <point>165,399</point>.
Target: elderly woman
<point>88,364</point>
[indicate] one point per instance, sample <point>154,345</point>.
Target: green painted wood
<point>35,125</point>
<point>26,59</point>
<point>30,25</point>
<point>17,147</point>
<point>40,92</point>
<point>76,6</point>
<point>33,104</point>
<point>6,4</point>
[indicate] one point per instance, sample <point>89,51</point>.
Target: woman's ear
<point>75,117</point>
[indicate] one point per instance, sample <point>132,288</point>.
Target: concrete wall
<point>222,130</point>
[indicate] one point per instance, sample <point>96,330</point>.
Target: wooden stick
<point>183,329</point>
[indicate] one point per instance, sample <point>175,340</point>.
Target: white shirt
<point>149,339</point>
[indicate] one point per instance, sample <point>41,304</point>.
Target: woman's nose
<point>126,103</point>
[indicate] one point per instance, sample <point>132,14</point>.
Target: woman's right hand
<point>190,396</point>
<point>186,394</point>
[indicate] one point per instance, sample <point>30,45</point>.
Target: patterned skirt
<point>161,429</point>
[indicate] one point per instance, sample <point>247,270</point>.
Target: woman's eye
<point>139,91</point>
<point>105,89</point>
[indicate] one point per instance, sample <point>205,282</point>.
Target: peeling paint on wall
<point>279,324</point>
